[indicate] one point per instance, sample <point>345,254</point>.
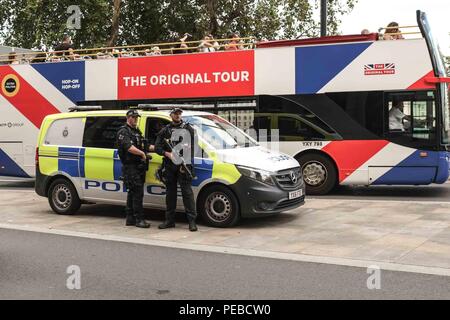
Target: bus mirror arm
<point>437,80</point>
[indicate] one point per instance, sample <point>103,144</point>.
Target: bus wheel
<point>219,207</point>
<point>63,198</point>
<point>319,173</point>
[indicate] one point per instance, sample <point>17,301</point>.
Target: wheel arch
<point>211,184</point>
<point>60,175</point>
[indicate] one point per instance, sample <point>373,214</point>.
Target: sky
<point>373,14</point>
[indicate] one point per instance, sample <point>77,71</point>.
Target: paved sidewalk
<point>401,232</point>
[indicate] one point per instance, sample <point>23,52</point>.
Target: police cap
<point>133,113</point>
<point>175,110</point>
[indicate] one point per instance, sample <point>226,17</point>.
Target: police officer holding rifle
<point>132,149</point>
<point>176,142</point>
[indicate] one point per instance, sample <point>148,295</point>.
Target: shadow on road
<point>17,184</point>
<point>114,211</point>
<point>418,193</point>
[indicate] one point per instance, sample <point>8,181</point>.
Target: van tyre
<point>219,207</point>
<point>319,173</point>
<point>63,197</point>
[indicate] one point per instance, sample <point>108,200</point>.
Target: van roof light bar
<point>84,108</point>
<point>169,106</point>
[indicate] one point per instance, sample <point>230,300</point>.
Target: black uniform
<point>174,174</point>
<point>133,170</point>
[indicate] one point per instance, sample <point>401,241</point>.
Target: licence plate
<point>295,194</point>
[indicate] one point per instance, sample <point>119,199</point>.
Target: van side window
<point>65,132</point>
<point>152,128</point>
<point>100,132</point>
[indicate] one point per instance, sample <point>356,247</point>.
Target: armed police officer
<point>176,142</point>
<point>134,160</point>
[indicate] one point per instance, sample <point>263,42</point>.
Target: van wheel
<point>63,198</point>
<point>319,173</point>
<point>219,207</point>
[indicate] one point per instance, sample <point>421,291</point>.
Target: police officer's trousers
<point>174,177</point>
<point>134,179</point>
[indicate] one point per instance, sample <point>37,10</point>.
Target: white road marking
<point>239,251</point>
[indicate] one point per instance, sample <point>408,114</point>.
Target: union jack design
<point>379,68</point>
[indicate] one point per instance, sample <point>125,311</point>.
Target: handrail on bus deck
<point>111,50</point>
<point>107,54</point>
<point>399,27</point>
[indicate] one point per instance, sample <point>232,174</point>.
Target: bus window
<point>262,122</point>
<point>284,105</point>
<point>399,116</point>
<point>292,129</point>
<point>261,127</point>
<point>366,108</point>
<point>411,119</point>
<point>243,119</point>
<point>225,114</point>
<point>423,120</point>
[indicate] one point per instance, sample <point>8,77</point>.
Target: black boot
<point>131,220</point>
<point>167,224</point>
<point>192,226</point>
<point>141,223</point>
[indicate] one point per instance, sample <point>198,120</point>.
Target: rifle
<point>183,163</point>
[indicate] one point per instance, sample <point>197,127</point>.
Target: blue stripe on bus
<point>443,167</point>
<point>10,168</point>
<point>413,170</point>
<point>315,66</point>
<point>68,78</point>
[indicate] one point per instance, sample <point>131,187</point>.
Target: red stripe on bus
<point>352,154</point>
<point>422,83</point>
<point>26,100</point>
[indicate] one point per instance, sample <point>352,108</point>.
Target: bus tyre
<point>63,197</point>
<point>219,207</point>
<point>319,173</point>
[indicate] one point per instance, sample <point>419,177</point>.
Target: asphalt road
<point>34,266</point>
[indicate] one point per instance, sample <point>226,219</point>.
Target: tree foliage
<point>41,23</point>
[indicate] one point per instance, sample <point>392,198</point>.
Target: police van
<point>77,162</point>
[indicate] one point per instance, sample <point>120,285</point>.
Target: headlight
<point>256,174</point>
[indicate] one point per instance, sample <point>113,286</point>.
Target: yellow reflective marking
<point>48,161</point>
<point>154,165</point>
<point>226,172</point>
<point>99,164</point>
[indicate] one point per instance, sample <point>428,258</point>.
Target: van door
<point>154,192</point>
<point>102,169</point>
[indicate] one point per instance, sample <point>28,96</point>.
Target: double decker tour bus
<point>353,110</point>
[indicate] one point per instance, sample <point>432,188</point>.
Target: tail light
<point>36,158</point>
